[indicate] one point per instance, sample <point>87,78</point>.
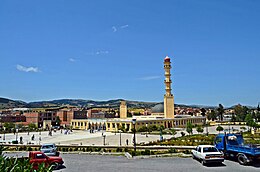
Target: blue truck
<point>233,147</point>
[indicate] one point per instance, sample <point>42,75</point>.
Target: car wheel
<point>203,162</point>
<point>55,166</point>
<point>242,159</point>
<point>193,157</point>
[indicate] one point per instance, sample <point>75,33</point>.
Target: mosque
<point>162,114</point>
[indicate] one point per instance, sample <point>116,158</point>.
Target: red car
<point>37,158</point>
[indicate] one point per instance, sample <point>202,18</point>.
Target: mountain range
<point>8,103</point>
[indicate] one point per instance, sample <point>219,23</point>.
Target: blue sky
<point>104,50</point>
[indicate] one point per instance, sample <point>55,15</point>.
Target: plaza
<point>84,137</point>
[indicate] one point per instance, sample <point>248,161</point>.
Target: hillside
<point>8,103</point>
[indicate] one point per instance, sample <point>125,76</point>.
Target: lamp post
<point>134,122</point>
<point>104,140</point>
<point>4,134</point>
<point>206,124</point>
<point>120,139</point>
<point>146,129</point>
<point>16,135</point>
<point>40,129</point>
<point>229,127</point>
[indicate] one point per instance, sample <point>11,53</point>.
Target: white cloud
<point>72,60</point>
<point>147,78</point>
<point>114,29</point>
<point>124,26</point>
<point>101,52</point>
<point>26,69</point>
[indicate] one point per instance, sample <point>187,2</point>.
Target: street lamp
<point>4,134</point>
<point>206,124</point>
<point>120,139</point>
<point>104,140</point>
<point>229,127</point>
<point>134,122</point>
<point>146,129</point>
<point>40,129</point>
<point>16,134</point>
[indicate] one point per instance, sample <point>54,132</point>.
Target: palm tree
<point>220,111</point>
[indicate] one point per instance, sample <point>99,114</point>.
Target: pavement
<point>84,137</point>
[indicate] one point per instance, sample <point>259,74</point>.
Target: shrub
<point>126,150</point>
<point>172,150</point>
<point>146,152</point>
<point>97,149</point>
<point>119,149</point>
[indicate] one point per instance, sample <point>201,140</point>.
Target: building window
<point>65,116</point>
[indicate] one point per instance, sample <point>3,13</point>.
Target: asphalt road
<point>108,163</point>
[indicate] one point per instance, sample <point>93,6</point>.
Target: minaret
<point>123,110</point>
<point>168,97</point>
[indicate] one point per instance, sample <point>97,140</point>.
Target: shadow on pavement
<point>212,164</point>
<point>256,165</point>
<point>215,165</point>
<point>61,167</point>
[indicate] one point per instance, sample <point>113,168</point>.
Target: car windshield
<point>47,146</point>
<point>210,149</point>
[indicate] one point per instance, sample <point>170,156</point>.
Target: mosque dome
<point>159,108</point>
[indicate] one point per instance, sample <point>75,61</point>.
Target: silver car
<point>49,149</point>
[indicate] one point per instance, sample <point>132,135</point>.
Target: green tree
<point>220,111</point>
<point>9,126</point>
<point>233,118</point>
<point>189,128</point>
<point>32,126</point>
<point>200,129</point>
<point>241,112</point>
<point>250,121</point>
<point>57,121</point>
<point>212,115</point>
<point>219,128</point>
<point>203,111</point>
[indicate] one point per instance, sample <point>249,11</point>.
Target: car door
<point>196,153</point>
<point>199,153</point>
<point>39,158</point>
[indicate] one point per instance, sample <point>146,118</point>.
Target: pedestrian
<point>126,142</point>
<point>33,137</point>
<point>21,140</point>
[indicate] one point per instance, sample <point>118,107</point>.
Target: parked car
<point>49,149</point>
<point>36,158</point>
<point>207,154</point>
